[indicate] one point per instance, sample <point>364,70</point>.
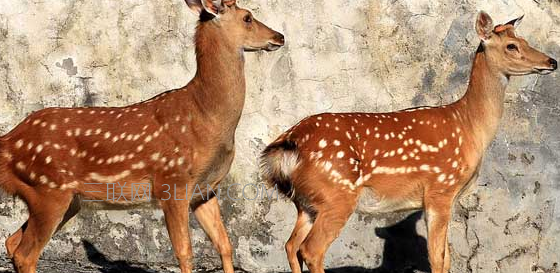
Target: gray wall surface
<point>361,55</point>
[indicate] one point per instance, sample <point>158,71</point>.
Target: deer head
<point>511,54</point>
<point>240,27</point>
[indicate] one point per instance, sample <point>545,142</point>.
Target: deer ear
<point>484,25</point>
<point>214,7</point>
<point>515,22</point>
<point>217,7</point>
<point>195,5</point>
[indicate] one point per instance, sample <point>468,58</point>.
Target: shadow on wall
<point>404,250</point>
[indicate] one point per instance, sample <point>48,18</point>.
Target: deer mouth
<point>269,47</point>
<point>544,71</point>
<point>251,49</point>
<point>273,47</point>
<point>547,69</point>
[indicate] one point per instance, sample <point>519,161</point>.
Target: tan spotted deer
<point>334,163</point>
<point>172,142</point>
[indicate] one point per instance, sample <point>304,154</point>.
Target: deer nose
<point>279,38</point>
<point>553,63</point>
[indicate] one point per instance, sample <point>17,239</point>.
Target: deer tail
<point>278,162</point>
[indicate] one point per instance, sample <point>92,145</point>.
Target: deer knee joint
<point>21,261</point>
<point>308,255</point>
<point>225,248</point>
<point>184,255</point>
<point>289,247</point>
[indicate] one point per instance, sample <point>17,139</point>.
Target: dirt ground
<point>49,266</point>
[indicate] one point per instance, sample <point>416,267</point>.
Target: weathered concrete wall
<point>362,55</point>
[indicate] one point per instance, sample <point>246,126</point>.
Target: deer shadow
<point>101,262</point>
<point>404,250</point>
<point>109,266</point>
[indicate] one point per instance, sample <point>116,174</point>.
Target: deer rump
<point>281,158</point>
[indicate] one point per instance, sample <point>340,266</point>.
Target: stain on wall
<point>359,55</point>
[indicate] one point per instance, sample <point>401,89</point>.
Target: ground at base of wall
<point>50,266</point>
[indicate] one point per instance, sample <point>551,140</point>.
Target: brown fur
<point>175,141</point>
<point>382,162</point>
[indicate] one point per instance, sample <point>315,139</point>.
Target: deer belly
<point>373,203</point>
<point>119,194</point>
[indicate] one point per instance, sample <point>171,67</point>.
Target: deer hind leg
<point>208,215</point>
<point>13,241</point>
<point>437,218</point>
<point>330,220</point>
<point>300,232</point>
<point>176,214</point>
<point>44,217</point>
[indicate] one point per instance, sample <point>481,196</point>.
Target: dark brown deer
<point>422,158</point>
<point>177,140</point>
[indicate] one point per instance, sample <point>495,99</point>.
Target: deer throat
<point>482,105</point>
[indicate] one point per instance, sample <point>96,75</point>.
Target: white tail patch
<point>279,163</point>
<point>288,162</point>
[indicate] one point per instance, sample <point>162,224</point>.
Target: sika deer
<point>176,140</point>
<point>421,158</point>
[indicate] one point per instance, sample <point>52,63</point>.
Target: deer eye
<point>247,19</point>
<point>511,47</point>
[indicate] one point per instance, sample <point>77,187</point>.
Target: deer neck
<point>483,103</point>
<point>219,82</point>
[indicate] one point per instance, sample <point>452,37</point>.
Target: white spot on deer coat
<point>180,161</point>
<point>43,179</point>
<point>340,154</point>
<point>109,179</point>
<point>20,166</point>
<point>139,165</point>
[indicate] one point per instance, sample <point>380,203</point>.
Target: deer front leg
<point>447,258</point>
<point>208,215</point>
<point>437,218</point>
<point>177,221</point>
